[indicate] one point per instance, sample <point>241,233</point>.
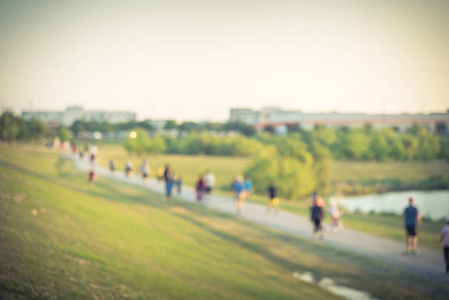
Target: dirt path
<point>429,264</point>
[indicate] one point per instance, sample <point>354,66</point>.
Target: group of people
<point>242,190</point>
<point>317,216</point>
<point>204,186</point>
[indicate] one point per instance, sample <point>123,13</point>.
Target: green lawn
<point>410,171</point>
<point>59,238</point>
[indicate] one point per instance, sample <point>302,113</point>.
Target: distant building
<point>73,113</point>
<point>280,119</point>
<point>244,115</point>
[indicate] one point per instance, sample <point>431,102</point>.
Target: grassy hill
<point>59,238</point>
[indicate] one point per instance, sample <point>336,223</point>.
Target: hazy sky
<point>194,60</point>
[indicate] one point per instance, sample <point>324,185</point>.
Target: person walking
<point>179,183</point>
<point>239,193</point>
<point>412,220</point>
<point>248,184</point>
<point>92,177</point>
<point>128,168</point>
<point>145,171</point>
<point>273,200</point>
<point>112,166</point>
<point>168,177</point>
<point>201,188</point>
<point>335,214</point>
<point>210,183</point>
<point>316,216</point>
<point>445,243</point>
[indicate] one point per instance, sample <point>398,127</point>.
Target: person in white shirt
<point>210,182</point>
<point>445,243</point>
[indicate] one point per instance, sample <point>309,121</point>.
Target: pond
<point>431,204</point>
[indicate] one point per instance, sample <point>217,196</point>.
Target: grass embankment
<point>62,239</point>
<point>358,178</point>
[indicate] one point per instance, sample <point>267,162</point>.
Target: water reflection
<point>431,204</point>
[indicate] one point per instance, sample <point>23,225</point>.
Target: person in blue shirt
<point>412,220</point>
<point>238,189</point>
<point>248,184</point>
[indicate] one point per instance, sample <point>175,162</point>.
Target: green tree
<point>156,145</point>
<point>411,144</point>
<point>77,127</point>
<point>63,134</point>
<point>137,141</point>
<point>146,125</point>
<point>269,129</point>
<point>356,143</point>
<point>37,129</point>
<point>170,124</point>
<point>323,168</point>
<point>379,147</point>
<point>323,135</point>
<point>189,126</point>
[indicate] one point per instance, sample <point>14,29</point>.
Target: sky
<point>193,60</point>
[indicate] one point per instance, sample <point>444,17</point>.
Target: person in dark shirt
<point>169,178</point>
<point>412,220</point>
<point>273,200</point>
<point>112,166</point>
<point>92,177</point>
<point>316,216</point>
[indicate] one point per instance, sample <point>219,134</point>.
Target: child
<point>92,177</point>
<point>335,213</point>
<point>179,184</point>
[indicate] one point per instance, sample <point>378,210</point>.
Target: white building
<point>276,117</point>
<point>74,113</point>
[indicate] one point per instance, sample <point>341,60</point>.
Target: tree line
<point>299,162</point>
<point>105,127</point>
<point>359,143</point>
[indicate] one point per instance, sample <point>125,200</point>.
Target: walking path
<point>430,264</point>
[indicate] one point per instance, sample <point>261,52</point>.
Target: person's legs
<point>239,204</point>
<point>414,242</point>
<point>411,234</point>
<point>316,222</point>
<point>269,206</point>
<point>168,187</point>
<point>409,243</point>
<point>446,258</point>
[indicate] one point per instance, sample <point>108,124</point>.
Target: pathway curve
<point>430,264</point>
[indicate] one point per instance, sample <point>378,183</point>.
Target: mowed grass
<point>406,172</point>
<point>61,239</point>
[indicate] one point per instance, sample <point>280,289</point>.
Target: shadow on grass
<point>255,248</point>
